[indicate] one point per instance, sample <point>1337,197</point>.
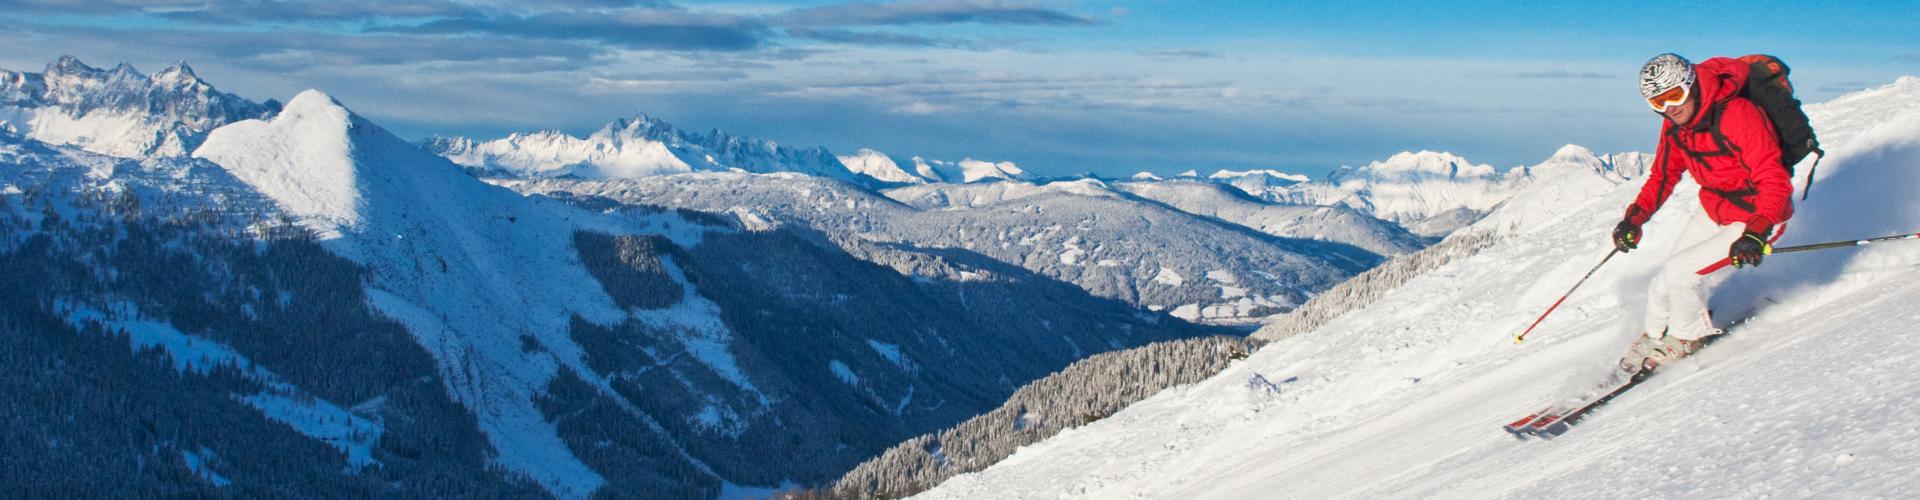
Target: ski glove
<point>1748,250</point>
<point>1626,236</point>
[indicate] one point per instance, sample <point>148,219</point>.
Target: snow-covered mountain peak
<point>118,112</point>
<point>179,70</point>
<point>178,76</point>
<point>967,170</point>
<point>1427,164</point>
<point>1571,151</point>
<point>313,101</point>
<point>878,165</point>
<point>639,126</point>
<point>444,251</point>
<point>125,72</point>
<point>1259,180</point>
<point>68,65</point>
<point>302,158</point>
<point>1617,166</point>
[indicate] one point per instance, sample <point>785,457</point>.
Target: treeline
<point>1086,391</point>
<point>1367,287</point>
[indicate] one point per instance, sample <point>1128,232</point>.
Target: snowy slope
<point>447,254</point>
<point>1403,398</point>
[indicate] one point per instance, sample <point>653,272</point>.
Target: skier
<point>1728,145</point>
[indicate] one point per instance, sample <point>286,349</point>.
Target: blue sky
<point>1059,87</point>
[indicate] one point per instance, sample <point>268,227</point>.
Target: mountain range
<point>305,294</point>
<point>1429,193</point>
<point>118,112</point>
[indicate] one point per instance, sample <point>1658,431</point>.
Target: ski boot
<point>1648,351</point>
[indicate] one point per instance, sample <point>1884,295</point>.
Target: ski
<point>1555,424</point>
<point>1555,419</point>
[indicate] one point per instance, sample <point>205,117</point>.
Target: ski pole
<point>1841,244</point>
<point>1563,298</point>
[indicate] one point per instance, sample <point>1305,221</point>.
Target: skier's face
<point>1683,113</point>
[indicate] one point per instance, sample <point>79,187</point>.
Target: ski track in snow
<point>1405,398</point>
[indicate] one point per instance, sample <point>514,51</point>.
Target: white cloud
<point>919,108</point>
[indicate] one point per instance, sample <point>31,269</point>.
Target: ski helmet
<point>1664,72</point>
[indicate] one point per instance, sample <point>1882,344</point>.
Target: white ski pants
<point>1677,301</point>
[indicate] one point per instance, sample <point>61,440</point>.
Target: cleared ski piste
<point>1405,398</point>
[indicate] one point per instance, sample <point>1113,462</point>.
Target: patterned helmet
<point>1664,72</point>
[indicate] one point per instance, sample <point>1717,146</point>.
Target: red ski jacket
<point>1739,172</point>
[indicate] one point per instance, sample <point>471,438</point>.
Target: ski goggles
<point>1665,100</point>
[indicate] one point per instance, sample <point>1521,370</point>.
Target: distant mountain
<point>1331,223</point>
<point>879,166</point>
<point>1257,181</point>
<point>635,147</point>
<point>1430,193</point>
<point>1108,241</point>
<point>967,170</point>
<point>118,112</point>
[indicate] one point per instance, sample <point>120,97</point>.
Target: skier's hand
<point>1626,236</point>
<point>1748,250</point>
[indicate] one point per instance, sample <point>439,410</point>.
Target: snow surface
<point>197,462</point>
<point>988,194</point>
<point>700,331</point>
<point>1404,398</point>
<point>892,353</point>
<point>843,373</point>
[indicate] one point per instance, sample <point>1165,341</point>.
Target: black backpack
<point>1767,87</point>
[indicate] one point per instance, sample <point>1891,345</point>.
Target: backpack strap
<point>1710,122</point>
<point>1819,154</point>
